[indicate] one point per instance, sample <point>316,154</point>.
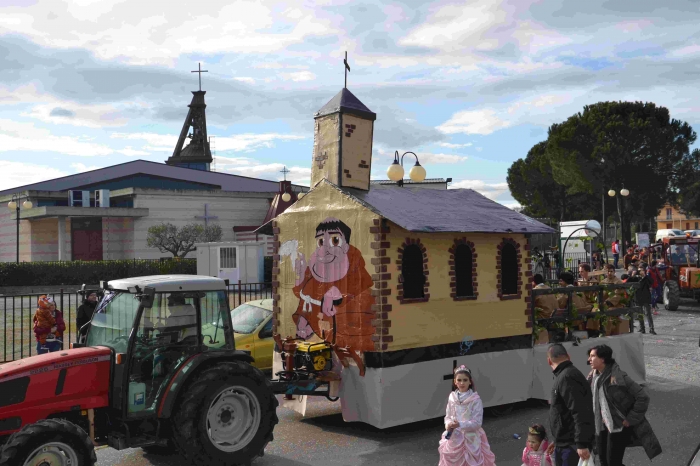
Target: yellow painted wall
<point>299,223</point>
<point>356,149</point>
<point>442,320</point>
<point>326,144</point>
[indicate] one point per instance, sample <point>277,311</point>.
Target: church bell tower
<point>197,154</point>
<point>343,130</point>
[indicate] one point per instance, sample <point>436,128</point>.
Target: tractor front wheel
<point>226,416</point>
<point>49,441</point>
<point>672,295</point>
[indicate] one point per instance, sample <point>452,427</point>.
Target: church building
<point>105,214</point>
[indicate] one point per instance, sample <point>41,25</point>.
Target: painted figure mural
<point>334,291</point>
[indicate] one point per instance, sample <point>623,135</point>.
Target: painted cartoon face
<point>329,263</point>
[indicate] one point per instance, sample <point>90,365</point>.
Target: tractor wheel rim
<point>53,454</point>
<point>233,418</point>
<point>665,295</point>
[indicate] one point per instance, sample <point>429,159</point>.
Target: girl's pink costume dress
<point>468,445</point>
<point>537,458</point>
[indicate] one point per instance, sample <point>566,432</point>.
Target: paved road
<point>323,439</point>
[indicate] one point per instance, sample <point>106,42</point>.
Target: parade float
<point>380,291</point>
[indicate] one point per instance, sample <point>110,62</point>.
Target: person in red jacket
<point>48,326</point>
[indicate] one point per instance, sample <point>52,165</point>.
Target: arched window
<point>509,269</point>
<point>412,271</point>
<point>463,271</point>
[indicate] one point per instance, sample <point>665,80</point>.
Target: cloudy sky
<point>470,86</point>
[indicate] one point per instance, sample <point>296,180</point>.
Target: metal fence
<point>17,340</point>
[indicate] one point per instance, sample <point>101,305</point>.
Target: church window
<point>463,270</point>
<point>413,268</point>
<point>508,264</point>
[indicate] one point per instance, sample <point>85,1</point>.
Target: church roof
<point>346,102</point>
<point>436,210</point>
<point>216,180</point>
<point>444,210</point>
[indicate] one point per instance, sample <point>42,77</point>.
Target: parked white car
<point>692,232</point>
<point>668,232</point>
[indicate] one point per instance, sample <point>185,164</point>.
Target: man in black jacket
<point>571,420</point>
<point>85,312</point>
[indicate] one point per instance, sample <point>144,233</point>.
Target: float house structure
<point>409,282</point>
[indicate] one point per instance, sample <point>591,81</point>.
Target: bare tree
<point>180,241</point>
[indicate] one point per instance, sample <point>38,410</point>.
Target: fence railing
<point>17,340</point>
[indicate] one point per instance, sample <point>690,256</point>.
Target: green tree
<point>532,184</point>
<point>180,241</point>
<point>615,145</point>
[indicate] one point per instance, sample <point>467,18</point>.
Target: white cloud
<point>423,157</point>
<point>20,174</point>
<point>81,167</point>
<point>19,136</point>
<point>92,116</point>
<point>245,79</point>
<point>298,76</point>
<point>249,167</point>
<point>490,190</point>
<point>474,122</point>
<point>511,204</point>
<point>251,142</point>
<point>237,143</point>
<point>453,146</point>
<point>129,152</point>
<point>146,33</point>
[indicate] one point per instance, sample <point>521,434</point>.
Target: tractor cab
<point>158,366</point>
<point>681,269</point>
<point>153,327</point>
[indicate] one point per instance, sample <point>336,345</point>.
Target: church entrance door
<point>86,234</point>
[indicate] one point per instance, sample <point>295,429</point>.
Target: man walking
<point>571,420</point>
<point>615,253</point>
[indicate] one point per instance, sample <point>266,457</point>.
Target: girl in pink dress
<point>535,452</point>
<point>464,442</point>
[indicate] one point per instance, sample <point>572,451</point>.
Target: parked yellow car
<point>252,327</point>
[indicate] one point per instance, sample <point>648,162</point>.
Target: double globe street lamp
<point>620,210</point>
<point>395,171</point>
<point>14,205</point>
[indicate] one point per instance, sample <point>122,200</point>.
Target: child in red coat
<point>48,326</point>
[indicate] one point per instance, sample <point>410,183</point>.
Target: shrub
<point>89,272</point>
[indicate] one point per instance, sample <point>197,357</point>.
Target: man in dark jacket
<point>571,420</point>
<point>85,312</point>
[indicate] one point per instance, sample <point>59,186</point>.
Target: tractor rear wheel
<point>226,416</point>
<point>49,441</point>
<point>672,295</point>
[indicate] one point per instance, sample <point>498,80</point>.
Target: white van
<point>668,232</point>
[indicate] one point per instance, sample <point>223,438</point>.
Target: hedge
<point>89,272</point>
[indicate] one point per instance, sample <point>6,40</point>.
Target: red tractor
<point>158,367</point>
<point>680,269</point>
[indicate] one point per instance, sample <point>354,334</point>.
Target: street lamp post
<point>620,211</point>
<point>14,205</point>
<point>395,171</point>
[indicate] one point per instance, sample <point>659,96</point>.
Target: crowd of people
<point>603,413</point>
<point>646,296</point>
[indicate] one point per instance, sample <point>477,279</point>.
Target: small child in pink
<point>535,452</point>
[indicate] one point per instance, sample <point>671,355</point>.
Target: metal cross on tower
<point>200,71</point>
<point>347,68</point>
<point>285,171</point>
<point>206,216</point>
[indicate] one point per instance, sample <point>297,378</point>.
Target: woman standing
<point>619,405</point>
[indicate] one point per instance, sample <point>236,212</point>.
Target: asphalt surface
<point>322,437</point>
